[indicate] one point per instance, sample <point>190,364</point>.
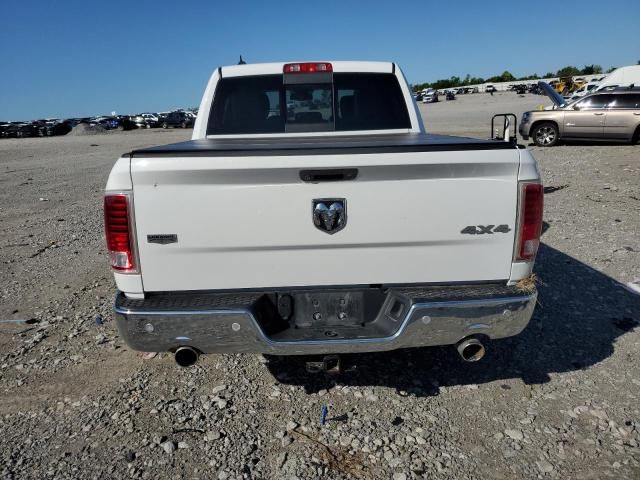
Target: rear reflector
<point>119,232</point>
<point>308,67</point>
<point>530,221</point>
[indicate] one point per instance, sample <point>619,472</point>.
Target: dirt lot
<point>558,401</point>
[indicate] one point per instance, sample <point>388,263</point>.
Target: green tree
<point>591,70</point>
<point>506,76</point>
<point>442,83</point>
<point>568,71</point>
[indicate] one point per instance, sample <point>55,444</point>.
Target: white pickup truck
<point>312,214</point>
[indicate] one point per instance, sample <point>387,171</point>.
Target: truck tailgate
<point>245,221</point>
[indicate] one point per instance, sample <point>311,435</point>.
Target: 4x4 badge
<point>329,214</point>
<point>482,229</point>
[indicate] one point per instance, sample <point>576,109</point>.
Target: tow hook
<point>330,364</point>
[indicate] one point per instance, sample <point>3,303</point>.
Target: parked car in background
<point>59,127</point>
<point>490,89</point>
<point>42,126</point>
<point>36,128</point>
<point>429,96</point>
<point>535,89</point>
<point>51,127</point>
<point>146,120</point>
<point>177,119</point>
<point>450,95</point>
<point>98,121</point>
<point>582,91</point>
<point>46,127</point>
<point>22,130</point>
<point>608,115</point>
<point>126,122</point>
<point>10,130</point>
<point>109,123</point>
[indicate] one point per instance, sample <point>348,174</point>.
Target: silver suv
<point>610,115</point>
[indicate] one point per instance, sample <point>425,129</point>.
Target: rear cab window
<point>318,102</point>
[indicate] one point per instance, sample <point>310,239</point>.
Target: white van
<point>621,77</point>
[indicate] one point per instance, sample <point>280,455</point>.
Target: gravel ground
<point>558,401</point>
<point>470,114</point>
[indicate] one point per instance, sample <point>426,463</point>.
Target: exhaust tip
<point>186,356</point>
<point>471,350</point>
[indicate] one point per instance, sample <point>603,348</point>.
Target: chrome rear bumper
<point>216,323</point>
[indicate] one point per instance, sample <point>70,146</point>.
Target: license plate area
<point>312,315</point>
<point>319,309</point>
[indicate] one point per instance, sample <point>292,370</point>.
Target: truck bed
<point>322,145</point>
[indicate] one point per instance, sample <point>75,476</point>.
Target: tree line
<point>506,76</point>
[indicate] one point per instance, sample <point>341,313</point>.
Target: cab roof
<point>277,68</point>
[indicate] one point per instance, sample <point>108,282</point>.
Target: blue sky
<point>77,58</point>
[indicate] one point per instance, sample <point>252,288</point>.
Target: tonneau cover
<point>327,145</point>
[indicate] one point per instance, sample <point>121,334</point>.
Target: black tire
<point>635,140</point>
<point>545,134</point>
<point>165,125</point>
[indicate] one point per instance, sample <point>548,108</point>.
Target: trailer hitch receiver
<point>329,364</point>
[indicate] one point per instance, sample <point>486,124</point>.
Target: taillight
<point>309,67</point>
<point>119,232</point>
<point>529,221</point>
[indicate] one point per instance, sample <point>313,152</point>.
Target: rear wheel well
<point>636,135</point>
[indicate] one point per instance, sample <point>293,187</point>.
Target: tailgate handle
<point>328,175</point>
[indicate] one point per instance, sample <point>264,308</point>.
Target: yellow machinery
<point>567,85</point>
